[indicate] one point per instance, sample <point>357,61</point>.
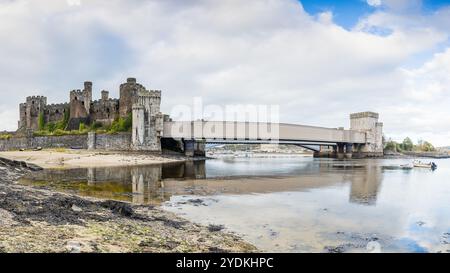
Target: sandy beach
<point>66,158</point>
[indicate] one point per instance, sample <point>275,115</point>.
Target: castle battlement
<point>150,93</point>
<point>36,98</point>
<point>76,91</point>
<point>58,104</point>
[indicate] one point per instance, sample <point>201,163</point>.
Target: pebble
<point>73,247</point>
<point>76,208</point>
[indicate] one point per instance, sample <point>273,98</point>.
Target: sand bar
<point>66,158</point>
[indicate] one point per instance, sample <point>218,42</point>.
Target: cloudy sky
<point>318,60</point>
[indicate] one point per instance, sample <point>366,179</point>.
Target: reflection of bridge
<point>364,137</point>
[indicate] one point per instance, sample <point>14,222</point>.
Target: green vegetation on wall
<point>121,124</point>
<point>58,128</point>
<point>5,136</point>
<point>41,121</point>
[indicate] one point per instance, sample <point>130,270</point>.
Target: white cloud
<point>74,2</point>
<point>266,51</point>
<point>374,3</point>
<point>326,17</point>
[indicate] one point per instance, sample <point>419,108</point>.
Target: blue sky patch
<point>346,13</point>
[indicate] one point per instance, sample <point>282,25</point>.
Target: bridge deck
<point>220,131</point>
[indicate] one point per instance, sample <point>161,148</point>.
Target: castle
<point>135,100</point>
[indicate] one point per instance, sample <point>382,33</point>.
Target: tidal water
<point>297,204</point>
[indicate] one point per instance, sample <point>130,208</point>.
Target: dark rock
<point>215,228</point>
<point>214,249</point>
<point>34,167</point>
<point>335,249</point>
<point>118,207</point>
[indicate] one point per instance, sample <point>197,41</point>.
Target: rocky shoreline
<point>41,220</point>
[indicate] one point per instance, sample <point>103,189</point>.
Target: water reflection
<point>364,189</point>
<point>137,184</point>
<point>157,183</point>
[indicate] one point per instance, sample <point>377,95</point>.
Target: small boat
<point>399,167</point>
<point>407,166</point>
<point>419,164</point>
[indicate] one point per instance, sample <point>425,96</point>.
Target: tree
<point>427,147</point>
<point>391,146</point>
<point>407,144</point>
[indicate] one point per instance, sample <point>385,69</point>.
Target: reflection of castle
<point>82,109</point>
<point>146,182</point>
<point>365,187</point>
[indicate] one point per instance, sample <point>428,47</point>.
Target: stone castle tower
<point>80,105</point>
<point>30,110</point>
<point>135,100</point>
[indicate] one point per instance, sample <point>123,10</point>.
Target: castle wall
<point>105,111</point>
<point>44,142</point>
<point>55,112</point>
<point>114,142</point>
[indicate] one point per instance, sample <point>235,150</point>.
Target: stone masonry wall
<point>117,142</point>
<point>44,142</point>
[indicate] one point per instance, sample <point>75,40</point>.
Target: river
<point>292,204</point>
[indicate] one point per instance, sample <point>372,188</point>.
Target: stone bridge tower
<point>367,122</point>
<point>147,119</point>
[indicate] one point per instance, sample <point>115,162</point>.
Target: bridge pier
<point>326,152</point>
<point>348,150</point>
<point>340,150</point>
<point>193,148</point>
<point>335,152</point>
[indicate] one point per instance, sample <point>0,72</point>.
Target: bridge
<point>364,138</point>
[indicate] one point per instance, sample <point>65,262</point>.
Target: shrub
<point>5,136</point>
<point>96,125</point>
<point>51,126</point>
<point>121,125</point>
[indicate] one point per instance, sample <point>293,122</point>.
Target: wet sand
<point>66,158</point>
